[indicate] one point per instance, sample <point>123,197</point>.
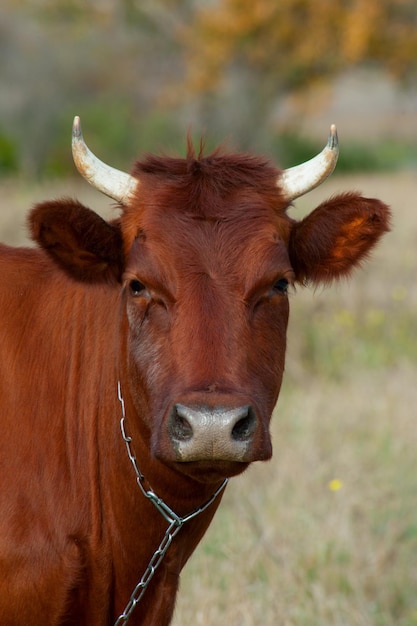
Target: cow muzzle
<point>203,433</point>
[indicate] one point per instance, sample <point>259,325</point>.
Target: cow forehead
<point>206,220</point>
<point>166,211</point>
<point>172,248</point>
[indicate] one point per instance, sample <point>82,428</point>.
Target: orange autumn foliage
<point>294,42</point>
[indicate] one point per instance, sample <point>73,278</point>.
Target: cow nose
<point>206,433</point>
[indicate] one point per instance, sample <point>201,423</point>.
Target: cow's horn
<point>296,181</point>
<point>114,183</point>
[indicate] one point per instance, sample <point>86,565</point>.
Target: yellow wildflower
<point>335,484</point>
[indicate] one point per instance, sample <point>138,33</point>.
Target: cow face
<point>205,255</point>
<point>206,289</point>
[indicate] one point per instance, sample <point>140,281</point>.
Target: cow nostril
<point>180,427</point>
<point>244,428</point>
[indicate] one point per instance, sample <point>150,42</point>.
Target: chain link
<point>175,522</point>
<point>155,561</point>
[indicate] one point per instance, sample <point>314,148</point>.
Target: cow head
<point>205,254</point>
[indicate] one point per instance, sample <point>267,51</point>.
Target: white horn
<point>296,181</point>
<point>114,183</point>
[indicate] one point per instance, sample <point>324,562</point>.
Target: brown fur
<point>208,239</point>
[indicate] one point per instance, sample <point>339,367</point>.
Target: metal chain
<point>175,522</point>
<point>140,588</point>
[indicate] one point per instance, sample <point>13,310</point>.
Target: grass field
<point>325,534</point>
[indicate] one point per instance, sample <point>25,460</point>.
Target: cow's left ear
<point>336,237</point>
<point>79,240</point>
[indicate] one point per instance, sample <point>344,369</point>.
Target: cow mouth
<point>212,436</point>
<point>209,471</point>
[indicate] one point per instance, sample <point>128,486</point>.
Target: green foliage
<point>8,156</point>
<point>290,148</point>
<point>384,155</point>
<point>108,135</point>
<point>116,139</point>
<point>120,139</point>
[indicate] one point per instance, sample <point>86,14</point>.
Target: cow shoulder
<point>336,237</point>
<point>78,240</point>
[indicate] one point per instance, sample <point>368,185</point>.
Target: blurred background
<point>326,533</point>
<point>265,75</point>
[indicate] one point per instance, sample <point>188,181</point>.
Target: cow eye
<point>136,287</point>
<point>281,286</point>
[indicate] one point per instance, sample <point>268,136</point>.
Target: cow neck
<point>175,522</point>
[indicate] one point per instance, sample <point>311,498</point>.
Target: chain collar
<point>175,522</point>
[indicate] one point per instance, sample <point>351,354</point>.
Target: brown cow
<point>171,321</point>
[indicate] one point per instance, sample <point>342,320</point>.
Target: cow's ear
<point>79,240</point>
<point>336,237</point>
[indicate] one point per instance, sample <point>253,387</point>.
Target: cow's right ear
<point>79,241</point>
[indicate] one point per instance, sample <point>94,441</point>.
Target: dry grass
<point>285,548</point>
